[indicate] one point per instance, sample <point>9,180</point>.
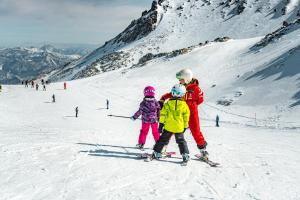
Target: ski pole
<point>120,116</point>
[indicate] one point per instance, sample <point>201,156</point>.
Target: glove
<point>133,118</point>
<point>184,130</point>
<point>160,127</point>
<point>161,104</point>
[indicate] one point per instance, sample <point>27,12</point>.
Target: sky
<point>32,22</point>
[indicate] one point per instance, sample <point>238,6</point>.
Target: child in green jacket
<point>174,119</point>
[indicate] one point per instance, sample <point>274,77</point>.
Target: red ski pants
<point>194,125</point>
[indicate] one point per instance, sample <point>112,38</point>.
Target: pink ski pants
<point>144,132</point>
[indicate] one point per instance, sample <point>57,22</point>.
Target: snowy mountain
<point>28,63</point>
<point>174,25</point>
<point>262,38</point>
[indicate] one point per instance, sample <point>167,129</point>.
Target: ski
<point>148,157</point>
<point>207,160</point>
<point>164,155</point>
<point>168,154</point>
<point>144,155</point>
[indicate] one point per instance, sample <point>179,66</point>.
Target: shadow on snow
<point>286,65</point>
<point>119,154</point>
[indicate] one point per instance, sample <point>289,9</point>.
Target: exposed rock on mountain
<point>170,26</point>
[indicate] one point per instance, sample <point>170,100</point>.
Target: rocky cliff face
<point>95,62</point>
<point>138,28</point>
<point>277,34</point>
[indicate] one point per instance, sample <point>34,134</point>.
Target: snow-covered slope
<point>47,153</point>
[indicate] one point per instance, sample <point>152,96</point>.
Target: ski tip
<point>208,161</point>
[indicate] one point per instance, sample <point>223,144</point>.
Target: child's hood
<point>150,102</point>
<point>176,104</point>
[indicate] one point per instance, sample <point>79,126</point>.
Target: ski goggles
<point>179,76</point>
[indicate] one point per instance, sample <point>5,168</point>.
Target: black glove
<point>161,104</point>
<point>184,130</point>
<point>160,127</point>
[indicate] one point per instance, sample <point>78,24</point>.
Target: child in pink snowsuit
<point>149,109</point>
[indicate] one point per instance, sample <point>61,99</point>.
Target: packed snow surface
<point>47,153</point>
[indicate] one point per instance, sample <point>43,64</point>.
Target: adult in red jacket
<point>194,97</point>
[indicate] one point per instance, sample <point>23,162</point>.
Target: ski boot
<point>155,155</point>
<point>164,151</point>
<point>185,159</point>
<point>203,154</point>
<point>140,147</point>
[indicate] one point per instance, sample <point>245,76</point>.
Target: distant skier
<point>65,85</point>
<point>26,83</point>
<point>53,98</point>
<point>174,119</point>
<point>44,87</point>
<point>0,87</point>
<point>217,120</point>
<point>149,109</point>
<point>194,97</point>
<point>42,81</point>
<point>76,111</point>
<point>32,84</point>
<point>107,104</point>
<point>37,87</point>
<point>47,82</point>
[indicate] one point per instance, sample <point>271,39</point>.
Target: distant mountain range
<point>21,63</point>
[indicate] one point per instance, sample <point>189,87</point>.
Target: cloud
<point>25,7</point>
<point>64,9</point>
<point>105,18</point>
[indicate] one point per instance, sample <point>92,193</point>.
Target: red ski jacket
<point>193,97</point>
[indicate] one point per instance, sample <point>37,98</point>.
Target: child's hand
<point>133,118</point>
<point>161,104</point>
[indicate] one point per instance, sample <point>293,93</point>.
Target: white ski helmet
<point>185,74</point>
<point>178,90</point>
